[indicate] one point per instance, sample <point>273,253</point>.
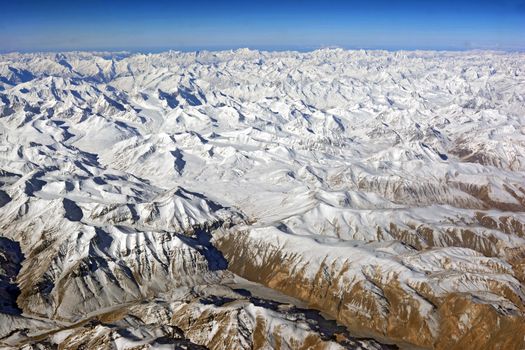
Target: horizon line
<point>220,48</point>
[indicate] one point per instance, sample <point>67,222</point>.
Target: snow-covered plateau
<point>262,200</point>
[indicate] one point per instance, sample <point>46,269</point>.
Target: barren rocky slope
<point>244,199</point>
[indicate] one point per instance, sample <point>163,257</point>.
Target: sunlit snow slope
<point>244,199</point>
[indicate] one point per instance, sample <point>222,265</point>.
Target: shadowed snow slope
<point>384,189</point>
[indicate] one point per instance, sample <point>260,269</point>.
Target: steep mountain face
<point>244,199</point>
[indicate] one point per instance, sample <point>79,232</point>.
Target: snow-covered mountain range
<point>245,199</point>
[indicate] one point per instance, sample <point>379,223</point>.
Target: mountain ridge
<point>384,189</point>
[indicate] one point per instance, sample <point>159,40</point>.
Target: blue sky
<point>27,25</point>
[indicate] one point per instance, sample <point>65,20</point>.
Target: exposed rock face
<point>385,190</point>
<point>434,298</point>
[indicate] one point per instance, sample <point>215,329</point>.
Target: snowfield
<point>244,199</point>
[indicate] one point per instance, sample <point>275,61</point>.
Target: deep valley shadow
<point>11,258</point>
